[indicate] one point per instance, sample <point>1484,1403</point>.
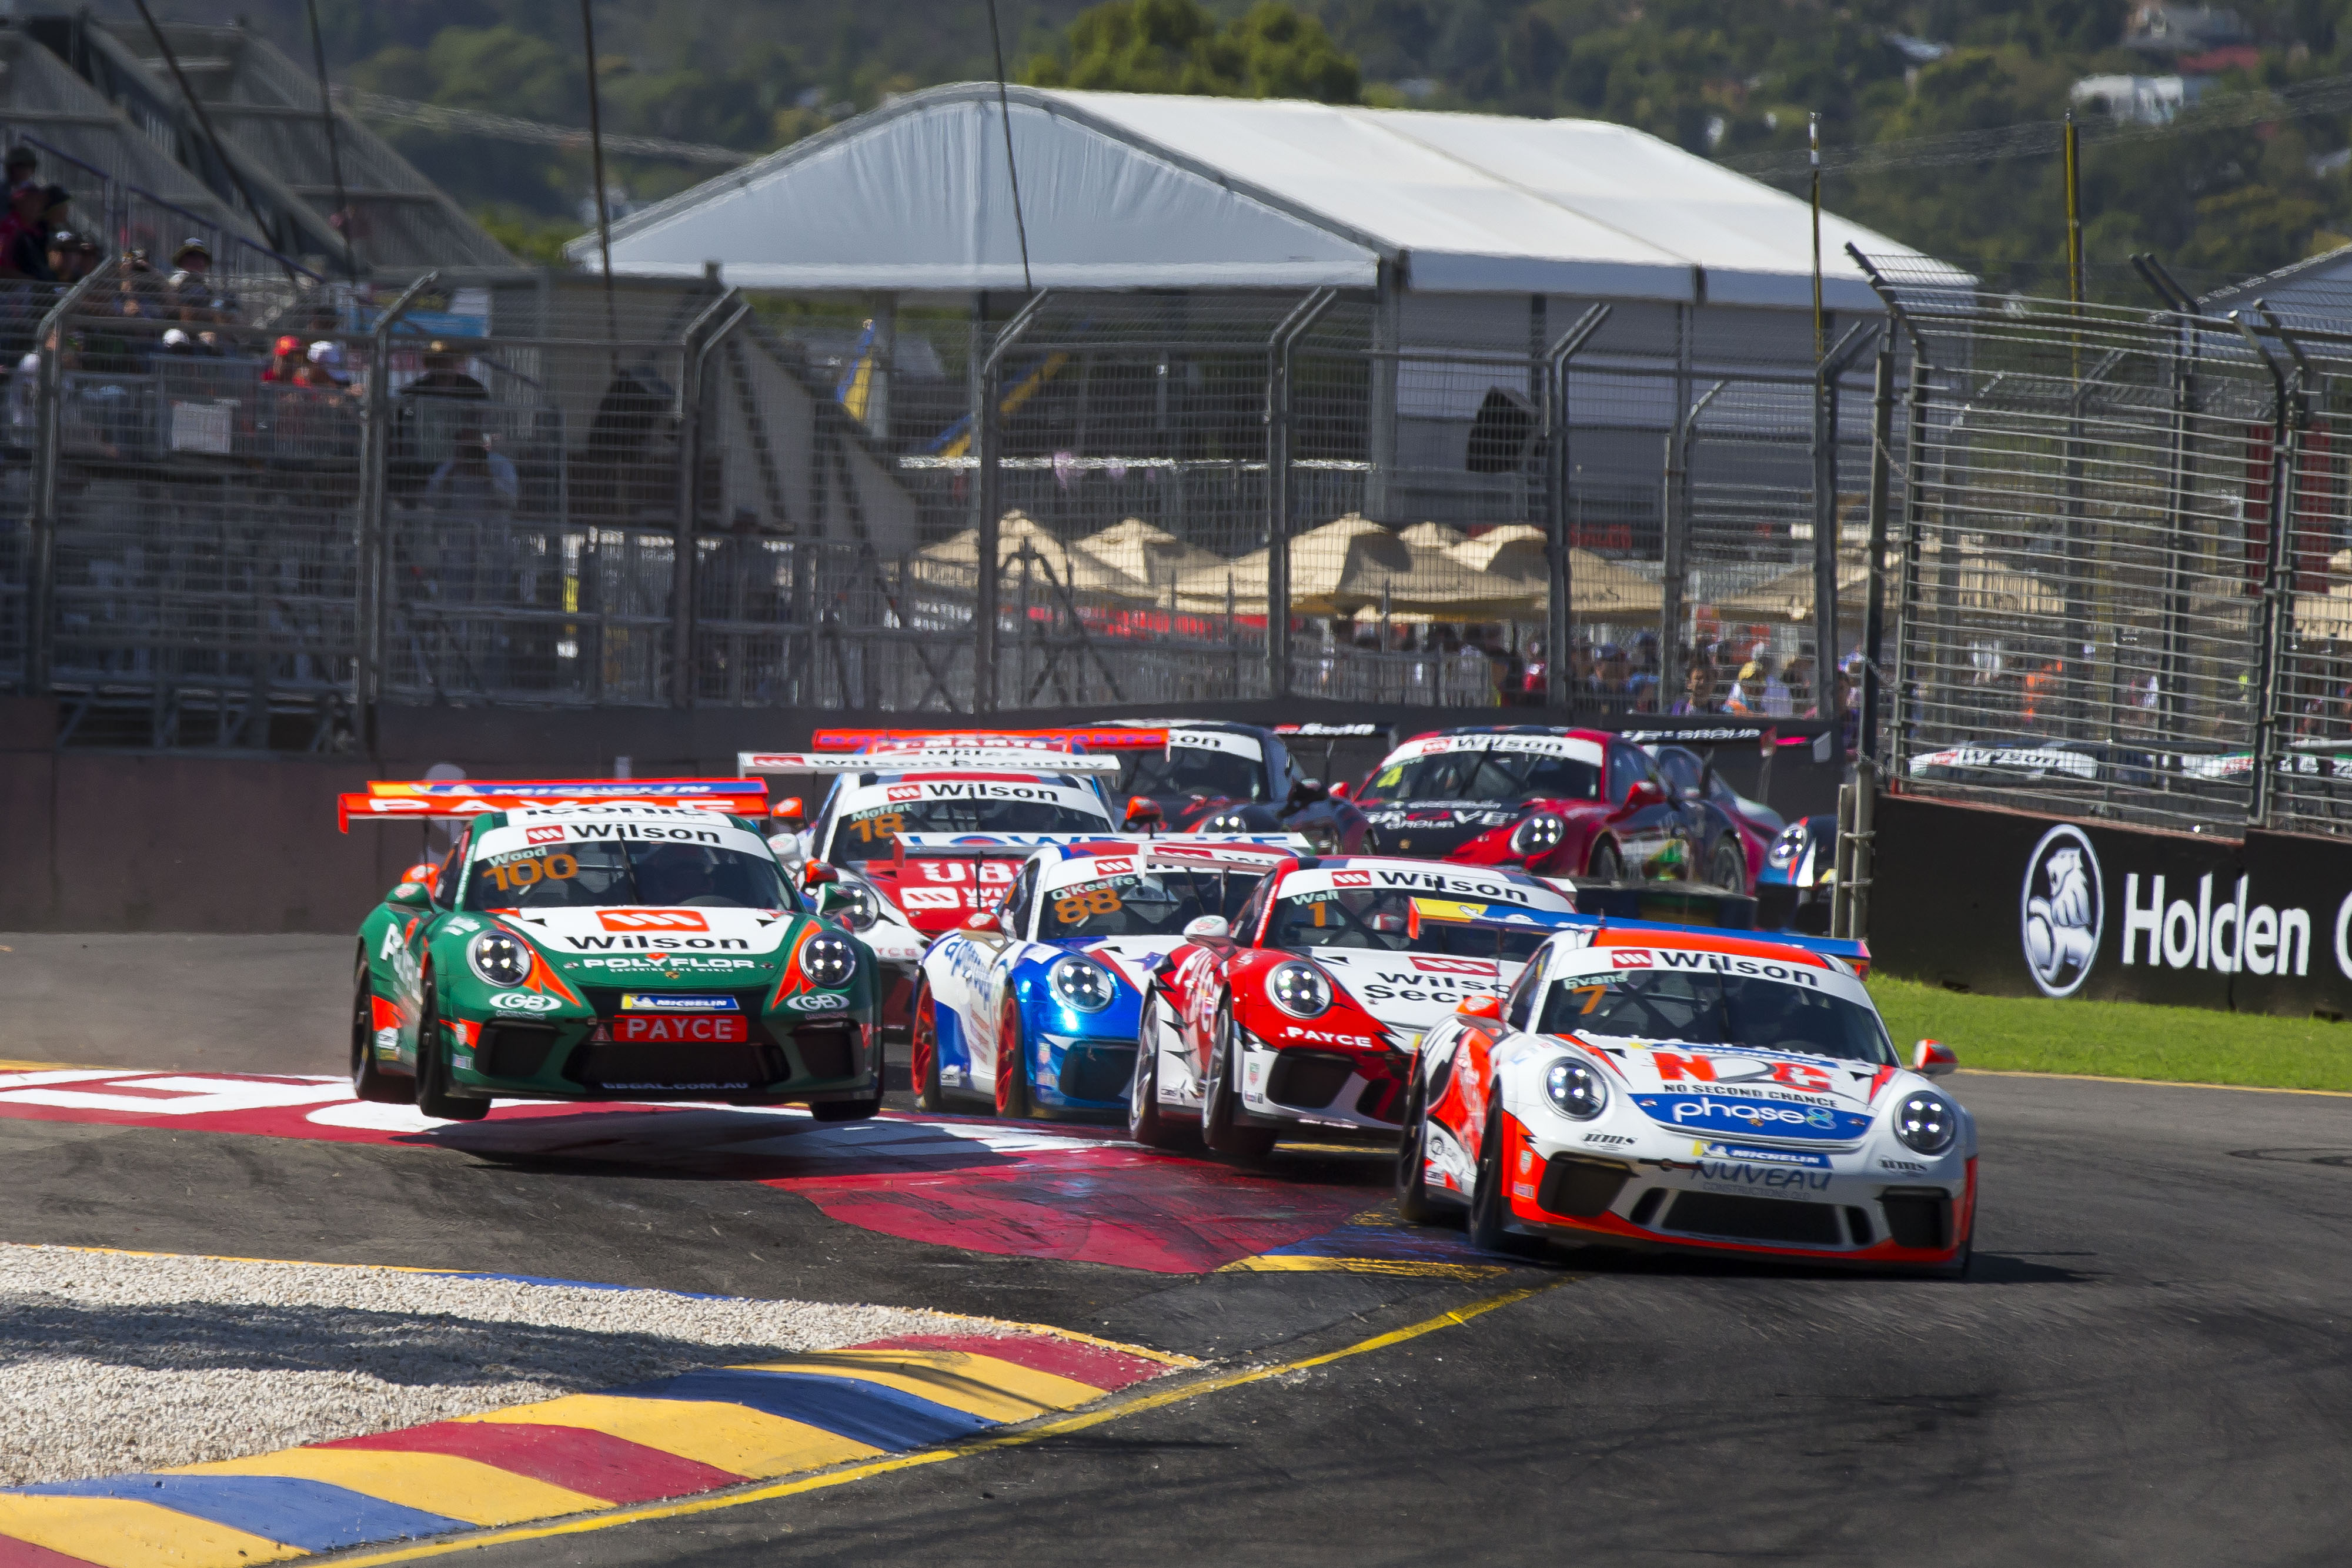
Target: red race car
<point>1305,1014</point>
<point>1551,802</point>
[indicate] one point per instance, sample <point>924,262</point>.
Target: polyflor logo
<point>1624,960</point>
<point>652,920</point>
<point>2061,910</point>
<point>543,835</point>
<point>1351,879</point>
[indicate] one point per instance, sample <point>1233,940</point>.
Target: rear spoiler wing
<point>389,801</point>
<point>927,759</point>
<point>1507,917</point>
<point>1039,740</point>
<point>1193,849</point>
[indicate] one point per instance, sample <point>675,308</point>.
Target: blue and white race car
<point>1036,1005</point>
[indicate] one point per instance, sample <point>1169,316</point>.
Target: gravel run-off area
<point>113,1362</point>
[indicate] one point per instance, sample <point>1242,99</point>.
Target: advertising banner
<point>2013,904</point>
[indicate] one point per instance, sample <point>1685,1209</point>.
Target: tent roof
<point>1134,190</point>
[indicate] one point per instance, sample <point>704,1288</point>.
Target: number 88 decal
<point>1075,909</point>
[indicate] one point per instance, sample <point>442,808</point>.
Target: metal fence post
<point>1676,517</point>
<point>1304,315</point>
<point>730,310</point>
<point>41,570</point>
<point>1832,365</point>
<point>1560,618</point>
<point>2289,418</point>
<point>988,498</point>
<point>370,573</point>
<point>1882,475</point>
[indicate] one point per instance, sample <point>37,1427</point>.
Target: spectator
<point>21,165</point>
<point>1609,676</point>
<point>286,360</point>
<point>1801,683</point>
<point>480,479</point>
<point>1698,691</point>
<point>1759,693</point>
<point>188,293</point>
<point>24,250</point>
<point>444,377</point>
<point>323,368</point>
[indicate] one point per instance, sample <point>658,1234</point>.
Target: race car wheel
<point>1489,1213</point>
<point>924,1030</point>
<point>1012,1099</point>
<point>1728,865</point>
<point>1220,1107</point>
<point>370,1081</point>
<point>1412,1200</point>
<point>1146,1122</point>
<point>432,1096</point>
<point>1607,864</point>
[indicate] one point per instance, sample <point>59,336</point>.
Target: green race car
<point>610,950</point>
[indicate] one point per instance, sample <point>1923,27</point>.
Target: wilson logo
<point>543,835</point>
<point>652,920</point>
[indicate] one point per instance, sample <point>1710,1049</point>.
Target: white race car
<point>1654,1086</point>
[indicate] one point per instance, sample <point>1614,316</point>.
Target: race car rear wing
<point>927,759</point>
<point>870,740</point>
<point>1854,952</point>
<point>1508,918</point>
<point>1257,850</point>
<point>390,801</point>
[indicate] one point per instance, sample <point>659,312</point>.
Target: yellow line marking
<point>444,1484</point>
<point>115,1532</point>
<point>725,1437</point>
<point>52,1067</point>
<point>998,1390</point>
<point>713,1502</point>
<point>2155,1082</point>
<point>1286,1263</point>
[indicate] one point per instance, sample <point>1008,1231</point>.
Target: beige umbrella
<point>1076,570</point>
<point>1789,596</point>
<point>1443,586</point>
<point>1515,549</point>
<point>1599,589</point>
<point>1335,569</point>
<point>1151,555</point>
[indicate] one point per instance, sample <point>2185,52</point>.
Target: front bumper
<point>1755,1201</point>
<point>1355,1091</point>
<point>829,1057</point>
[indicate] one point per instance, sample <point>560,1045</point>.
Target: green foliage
<point>2117,1039</point>
<point>532,240</point>
<point>1175,46</point>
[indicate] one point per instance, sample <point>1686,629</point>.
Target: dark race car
<point>1553,802</point>
<point>1219,777</point>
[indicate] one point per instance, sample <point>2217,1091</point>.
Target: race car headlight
<point>1300,989</point>
<point>1081,983</point>
<point>1539,834</point>
<point>499,958</point>
<point>828,961</point>
<point>1925,1123</point>
<point>1788,847</point>
<point>1575,1090</point>
<point>855,904</point>
<point>1225,822</point>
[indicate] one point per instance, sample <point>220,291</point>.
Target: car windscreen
<point>587,875</point>
<point>1383,921</point>
<point>1194,771</point>
<point>1680,1007</point>
<point>1149,904</point>
<point>871,835</point>
<point>1485,776</point>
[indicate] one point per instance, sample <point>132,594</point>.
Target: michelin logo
<point>2061,908</point>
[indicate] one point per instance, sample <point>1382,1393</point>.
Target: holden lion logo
<point>2060,910</point>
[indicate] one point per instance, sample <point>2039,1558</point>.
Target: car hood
<point>657,934</point>
<point>1715,1091</point>
<point>1411,992</point>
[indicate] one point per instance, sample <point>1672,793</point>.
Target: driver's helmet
<point>1388,922</point>
<point>673,874</point>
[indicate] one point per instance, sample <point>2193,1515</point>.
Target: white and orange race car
<point>1677,1087</point>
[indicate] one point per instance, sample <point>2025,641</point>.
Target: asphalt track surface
<point>2147,1365</point>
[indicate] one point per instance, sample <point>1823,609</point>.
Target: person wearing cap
<point>444,377</point>
<point>323,367</point>
<point>286,360</point>
<point>189,290</point>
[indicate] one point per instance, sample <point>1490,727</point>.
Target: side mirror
<point>1208,928</point>
<point>423,871</point>
<point>1488,1007</point>
<point>1143,808</point>
<point>1306,792</point>
<point>817,873</point>
<point>1934,1059</point>
<point>1644,792</point>
<point>788,812</point>
<point>410,895</point>
<point>1340,790</point>
<point>982,920</point>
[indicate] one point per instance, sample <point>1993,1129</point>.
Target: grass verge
<point>2118,1040</point>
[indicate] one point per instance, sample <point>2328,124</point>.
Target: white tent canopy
<point>1130,190</point>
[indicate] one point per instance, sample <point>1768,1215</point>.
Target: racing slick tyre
<point>1412,1200</point>
<point>1489,1212</point>
<point>1726,865</point>
<point>369,1080</point>
<point>1608,864</point>
<point>1013,1098</point>
<point>1146,1120</point>
<point>432,1096</point>
<point>1220,1105</point>
<point>923,1030</point>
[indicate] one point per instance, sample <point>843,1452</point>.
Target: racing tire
<point>1489,1212</point>
<point>1014,1101</point>
<point>1726,865</point>
<point>369,1079</point>
<point>1146,1119</point>
<point>847,1110</point>
<point>923,1066</point>
<point>432,1096</point>
<point>1608,863</point>
<point>1413,1202</point>
<point>1220,1105</point>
